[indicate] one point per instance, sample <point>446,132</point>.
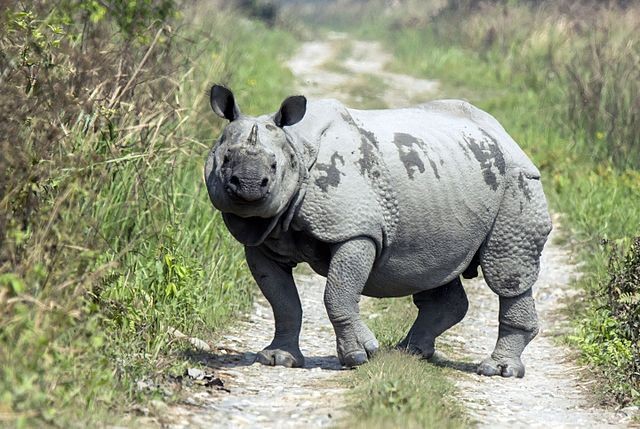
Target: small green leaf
<point>13,282</point>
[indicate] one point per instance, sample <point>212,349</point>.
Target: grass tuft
<point>399,390</point>
<point>396,389</point>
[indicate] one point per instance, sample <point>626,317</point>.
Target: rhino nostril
<point>234,180</point>
<point>264,182</point>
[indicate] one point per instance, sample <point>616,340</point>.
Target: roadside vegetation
<point>108,241</point>
<point>396,389</point>
<point>564,80</point>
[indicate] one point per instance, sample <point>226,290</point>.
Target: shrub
<point>623,298</point>
<point>63,80</point>
<point>609,334</point>
<point>107,236</point>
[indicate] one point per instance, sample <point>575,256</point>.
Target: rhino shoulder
<point>348,190</point>
<point>319,118</point>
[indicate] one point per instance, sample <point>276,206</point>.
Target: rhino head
<point>254,169</point>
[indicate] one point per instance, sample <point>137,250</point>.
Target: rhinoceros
<point>383,203</point>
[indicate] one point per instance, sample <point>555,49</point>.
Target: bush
<point>107,238</point>
<point>57,65</point>
<point>623,296</point>
<point>69,92</point>
<point>609,335</point>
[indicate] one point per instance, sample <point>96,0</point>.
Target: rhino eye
<point>273,166</point>
<point>225,160</point>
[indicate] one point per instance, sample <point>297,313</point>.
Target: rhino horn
<point>253,135</point>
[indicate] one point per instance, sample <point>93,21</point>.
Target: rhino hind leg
<point>438,310</point>
<point>510,263</point>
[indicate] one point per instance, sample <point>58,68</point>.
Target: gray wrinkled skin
<point>383,203</point>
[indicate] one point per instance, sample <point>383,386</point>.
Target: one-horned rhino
<point>383,203</point>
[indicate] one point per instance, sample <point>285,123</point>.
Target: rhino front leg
<point>277,285</point>
<point>348,272</point>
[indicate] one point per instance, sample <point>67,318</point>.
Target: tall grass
<point>107,236</point>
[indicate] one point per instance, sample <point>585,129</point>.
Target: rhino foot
<point>506,367</point>
<point>425,348</point>
<point>356,346</point>
<point>358,357</point>
<point>289,357</point>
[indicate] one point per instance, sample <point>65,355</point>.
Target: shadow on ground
<point>444,362</point>
<point>227,358</point>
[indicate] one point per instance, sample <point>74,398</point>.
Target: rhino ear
<point>223,103</point>
<point>291,111</point>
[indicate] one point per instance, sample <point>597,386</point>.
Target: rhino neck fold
<point>252,231</point>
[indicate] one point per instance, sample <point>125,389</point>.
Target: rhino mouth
<point>243,201</point>
<point>247,188</point>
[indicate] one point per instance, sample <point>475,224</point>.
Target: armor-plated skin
<point>382,203</point>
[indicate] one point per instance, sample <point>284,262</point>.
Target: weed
<point>609,336</point>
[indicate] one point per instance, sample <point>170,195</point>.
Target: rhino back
<point>459,112</point>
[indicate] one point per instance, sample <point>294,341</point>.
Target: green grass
<point>126,244</point>
<point>396,389</point>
